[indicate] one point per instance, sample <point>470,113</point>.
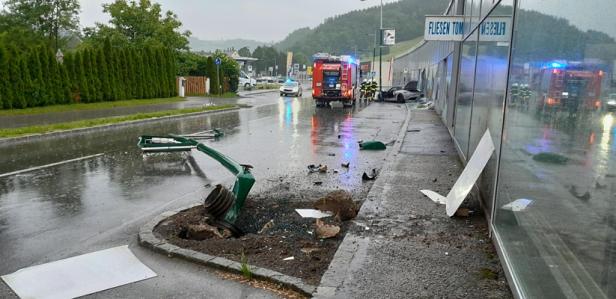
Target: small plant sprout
<point>245,268</point>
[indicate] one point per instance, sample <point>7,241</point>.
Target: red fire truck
<point>569,87</point>
<point>334,78</point>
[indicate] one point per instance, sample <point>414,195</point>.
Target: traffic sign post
<point>218,62</point>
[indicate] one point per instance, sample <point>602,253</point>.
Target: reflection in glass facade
<point>464,98</point>
<point>547,93</point>
<point>557,152</point>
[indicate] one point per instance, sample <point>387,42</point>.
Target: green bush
<point>32,77</point>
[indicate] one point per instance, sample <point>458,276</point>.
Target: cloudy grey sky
<point>263,20</point>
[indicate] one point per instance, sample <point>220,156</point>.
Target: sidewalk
<point>404,245</point>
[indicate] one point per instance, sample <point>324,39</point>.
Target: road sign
<point>389,37</point>
<point>218,61</point>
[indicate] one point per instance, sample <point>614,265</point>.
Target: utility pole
<point>380,53</point>
<point>381,56</point>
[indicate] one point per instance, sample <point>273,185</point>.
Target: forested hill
<point>352,31</point>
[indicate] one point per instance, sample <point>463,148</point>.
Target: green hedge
<point>33,77</point>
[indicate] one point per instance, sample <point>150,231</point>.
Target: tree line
<point>36,77</point>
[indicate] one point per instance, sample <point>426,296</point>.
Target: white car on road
<point>292,88</point>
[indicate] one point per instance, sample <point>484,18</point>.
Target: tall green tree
<point>139,23</point>
<point>211,74</point>
<point>5,91</point>
<point>244,52</point>
<point>80,74</point>
<point>103,75</point>
<point>48,18</point>
<point>46,86</point>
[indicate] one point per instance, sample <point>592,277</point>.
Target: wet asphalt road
<point>84,206</point>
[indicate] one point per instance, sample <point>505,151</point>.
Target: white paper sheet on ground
<point>517,205</point>
<point>467,179</point>
<point>312,213</point>
<point>80,275</point>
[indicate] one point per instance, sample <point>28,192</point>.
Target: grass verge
<point>16,132</point>
<point>88,106</point>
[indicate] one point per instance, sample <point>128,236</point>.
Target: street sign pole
<point>381,63</point>
<point>218,75</point>
<point>218,62</point>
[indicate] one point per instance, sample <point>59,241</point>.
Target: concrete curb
<point>257,92</point>
<point>36,137</point>
<point>353,245</point>
<point>149,240</point>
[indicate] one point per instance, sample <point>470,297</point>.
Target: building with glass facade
<point>547,95</point>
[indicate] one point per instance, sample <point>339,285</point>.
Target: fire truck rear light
<point>318,84</point>
<point>551,101</point>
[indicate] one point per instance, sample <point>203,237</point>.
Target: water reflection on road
<point>80,204</point>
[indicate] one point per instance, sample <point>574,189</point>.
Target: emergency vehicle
<point>569,87</point>
<point>334,78</point>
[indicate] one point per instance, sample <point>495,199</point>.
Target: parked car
<point>247,81</point>
<point>292,88</point>
<point>610,102</point>
<point>409,92</point>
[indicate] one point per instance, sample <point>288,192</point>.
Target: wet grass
<point>16,132</point>
<point>89,106</point>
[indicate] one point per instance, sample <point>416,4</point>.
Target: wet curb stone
<point>149,240</point>
<point>35,137</point>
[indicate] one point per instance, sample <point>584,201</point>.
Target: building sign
<point>389,37</point>
<point>451,28</point>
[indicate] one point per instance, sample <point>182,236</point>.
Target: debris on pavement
<point>340,203</point>
<point>326,231</point>
<point>346,164</point>
<point>266,227</point>
<point>369,177</point>
<point>79,275</point>
<point>517,205</point>
<point>552,158</point>
<point>413,130</point>
<point>331,154</point>
<point>463,212</point>
<point>583,197</point>
<point>312,213</point>
<point>372,145</point>
<point>318,183</point>
<point>317,168</point>
<point>289,258</point>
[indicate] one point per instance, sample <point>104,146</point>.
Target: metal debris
<point>369,177</point>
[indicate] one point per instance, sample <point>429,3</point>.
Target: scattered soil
<point>263,284</point>
<point>286,235</point>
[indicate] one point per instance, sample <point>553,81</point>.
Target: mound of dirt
<point>340,203</point>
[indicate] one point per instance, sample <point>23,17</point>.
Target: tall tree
<point>139,23</point>
<point>5,90</point>
<point>50,18</point>
<point>244,52</point>
<point>211,73</point>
